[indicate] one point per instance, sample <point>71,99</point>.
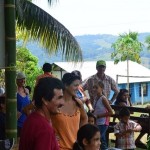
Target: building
<point>139,76</point>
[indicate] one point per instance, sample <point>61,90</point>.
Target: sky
<point>82,17</point>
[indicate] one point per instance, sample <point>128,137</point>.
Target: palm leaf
<point>52,35</point>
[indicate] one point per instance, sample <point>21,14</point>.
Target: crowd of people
<point>61,115</point>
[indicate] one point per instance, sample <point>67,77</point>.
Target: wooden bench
<point>138,119</point>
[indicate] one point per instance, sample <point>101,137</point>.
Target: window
<point>143,86</point>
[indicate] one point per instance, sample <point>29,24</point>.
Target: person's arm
<point>118,133</point>
<point>137,127</point>
<point>86,100</point>
<point>83,115</point>
<point>108,107</point>
<point>115,89</point>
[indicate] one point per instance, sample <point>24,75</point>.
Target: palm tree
<point>37,25</point>
<point>147,41</point>
<point>52,35</point>
<point>127,47</point>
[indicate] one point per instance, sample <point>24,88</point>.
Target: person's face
<point>91,120</point>
<point>21,82</point>
<point>101,69</point>
<point>94,143</point>
<point>56,103</point>
<point>125,96</point>
<point>73,87</point>
<point>97,89</point>
<point>125,119</point>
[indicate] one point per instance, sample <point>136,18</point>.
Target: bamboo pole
<point>10,69</point>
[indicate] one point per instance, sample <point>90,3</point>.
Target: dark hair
<point>45,89</point>
<point>29,88</point>
<point>68,78</point>
<point>100,84</point>
<point>47,67</point>
<point>119,96</point>
<point>85,132</point>
<point>124,112</point>
<point>89,114</point>
<point>77,73</point>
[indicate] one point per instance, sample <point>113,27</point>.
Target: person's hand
<point>91,110</point>
<point>110,102</point>
<point>129,130</point>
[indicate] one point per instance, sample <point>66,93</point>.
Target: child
<point>123,98</point>
<point>88,138</point>
<point>124,130</point>
<point>103,111</point>
<point>91,118</point>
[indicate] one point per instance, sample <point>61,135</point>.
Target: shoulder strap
<point>97,101</point>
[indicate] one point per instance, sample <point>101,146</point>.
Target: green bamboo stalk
<point>10,69</point>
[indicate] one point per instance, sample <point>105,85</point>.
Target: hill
<point>94,47</point>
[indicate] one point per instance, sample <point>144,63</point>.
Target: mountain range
<point>93,47</point>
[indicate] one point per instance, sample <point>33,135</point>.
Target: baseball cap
<point>100,63</point>
<point>20,75</point>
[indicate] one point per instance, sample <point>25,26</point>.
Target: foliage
<point>127,47</point>
<point>148,42</point>
<point>28,64</point>
<point>148,143</point>
<point>2,78</point>
<point>38,25</point>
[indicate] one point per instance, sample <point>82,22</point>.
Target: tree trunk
<point>128,75</point>
<point>10,69</point>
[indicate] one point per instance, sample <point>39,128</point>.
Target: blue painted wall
<point>134,91</point>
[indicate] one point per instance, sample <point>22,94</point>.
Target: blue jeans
<point>103,129</point>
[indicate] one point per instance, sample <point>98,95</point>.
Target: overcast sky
<point>101,16</point>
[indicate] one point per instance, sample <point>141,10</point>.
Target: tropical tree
<point>28,63</point>
<point>127,47</point>
<point>37,25</point>
<point>147,41</point>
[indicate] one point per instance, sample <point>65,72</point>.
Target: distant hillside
<point>94,47</point>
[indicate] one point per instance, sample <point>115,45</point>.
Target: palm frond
<point>51,34</point>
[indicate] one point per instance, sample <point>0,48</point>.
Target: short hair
<point>124,112</point>
<point>85,132</point>
<point>45,89</point>
<point>47,67</point>
<point>89,114</point>
<point>68,78</point>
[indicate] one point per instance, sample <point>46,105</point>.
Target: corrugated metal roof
<point>88,68</point>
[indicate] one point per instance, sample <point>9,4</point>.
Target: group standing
<point>60,120</point>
